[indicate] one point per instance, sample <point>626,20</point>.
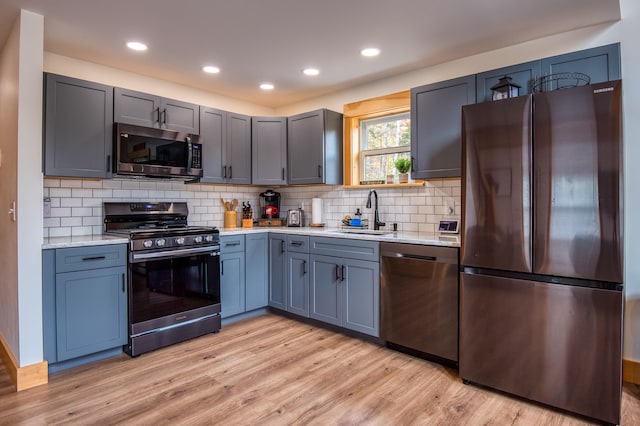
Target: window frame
<point>355,112</point>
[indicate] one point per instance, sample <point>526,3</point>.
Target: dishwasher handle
<point>416,257</point>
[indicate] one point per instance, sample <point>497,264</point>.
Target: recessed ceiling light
<point>370,51</point>
<point>211,69</point>
<point>136,45</point>
<point>311,71</point>
<point>266,86</point>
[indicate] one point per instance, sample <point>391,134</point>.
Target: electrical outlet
<point>451,207</point>
<point>47,208</point>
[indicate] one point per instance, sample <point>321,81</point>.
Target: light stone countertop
<point>422,238</point>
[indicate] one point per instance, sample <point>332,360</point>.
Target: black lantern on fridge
<point>505,88</point>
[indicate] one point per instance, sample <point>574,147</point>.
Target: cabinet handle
<point>222,267</point>
<point>296,243</point>
<point>224,175</point>
<point>93,258</point>
<point>158,115</point>
<point>342,274</point>
<point>282,246</point>
<point>123,283</point>
<point>232,243</point>
<point>108,163</point>
<point>304,267</point>
<point>337,272</point>
<point>283,174</point>
<point>230,172</point>
<point>319,171</point>
<point>413,161</point>
<point>164,116</point>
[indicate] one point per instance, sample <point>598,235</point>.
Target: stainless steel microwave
<point>145,151</point>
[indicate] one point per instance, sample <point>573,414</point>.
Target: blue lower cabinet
<point>298,283</point>
<point>84,303</point>
<point>232,275</point>
<point>257,271</point>
<point>91,311</point>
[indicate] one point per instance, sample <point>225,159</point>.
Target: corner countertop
<point>422,238</point>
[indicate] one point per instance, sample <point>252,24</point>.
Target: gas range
<point>159,226</point>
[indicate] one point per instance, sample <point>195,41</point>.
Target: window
<point>382,141</point>
<point>377,131</point>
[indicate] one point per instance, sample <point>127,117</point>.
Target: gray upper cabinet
<point>315,147</point>
<point>599,63</point>
<point>435,127</point>
<point>143,109</point>
<point>78,128</point>
<point>522,74</point>
<point>226,151</point>
<point>269,150</point>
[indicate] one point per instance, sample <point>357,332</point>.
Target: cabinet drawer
<point>94,257</point>
<point>231,244</point>
<point>347,248</point>
<point>298,243</point>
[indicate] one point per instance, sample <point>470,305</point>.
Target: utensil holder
<point>230,219</point>
<point>247,223</point>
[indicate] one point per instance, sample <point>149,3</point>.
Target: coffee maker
<point>270,204</point>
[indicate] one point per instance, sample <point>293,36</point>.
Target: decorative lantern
<point>505,88</point>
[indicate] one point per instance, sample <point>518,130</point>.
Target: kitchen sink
<point>365,231</point>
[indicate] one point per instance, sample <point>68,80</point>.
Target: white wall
<point>30,188</point>
<point>9,58</point>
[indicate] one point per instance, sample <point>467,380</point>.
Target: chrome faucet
<point>376,217</point>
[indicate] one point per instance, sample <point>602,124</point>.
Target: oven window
<point>171,286</point>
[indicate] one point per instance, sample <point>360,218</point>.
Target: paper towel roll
<point>316,211</point>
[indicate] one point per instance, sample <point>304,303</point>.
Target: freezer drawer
<point>419,298</point>
<point>556,344</point>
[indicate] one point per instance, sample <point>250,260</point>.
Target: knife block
<point>230,219</point>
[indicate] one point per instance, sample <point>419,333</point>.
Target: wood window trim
<point>394,103</point>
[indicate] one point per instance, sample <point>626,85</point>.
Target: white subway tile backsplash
<point>76,204</point>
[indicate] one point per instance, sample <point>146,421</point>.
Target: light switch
<point>47,207</point>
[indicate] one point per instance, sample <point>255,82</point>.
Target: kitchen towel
<point>316,211</point>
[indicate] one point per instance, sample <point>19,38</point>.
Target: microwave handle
<point>189,152</point>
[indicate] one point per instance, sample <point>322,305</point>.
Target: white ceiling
<point>252,41</point>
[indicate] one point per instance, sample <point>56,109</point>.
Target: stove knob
<point>160,242</point>
<point>197,239</point>
<point>180,241</point>
<point>208,238</point>
<point>147,243</point>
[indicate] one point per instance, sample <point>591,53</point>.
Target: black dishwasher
<point>419,298</point>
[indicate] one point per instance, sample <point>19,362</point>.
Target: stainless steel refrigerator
<point>541,279</point>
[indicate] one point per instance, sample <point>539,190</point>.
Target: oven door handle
<point>141,257</point>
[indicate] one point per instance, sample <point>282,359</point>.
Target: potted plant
<point>403,165</point>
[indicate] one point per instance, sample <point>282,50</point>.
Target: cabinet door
<point>238,150</point>
<point>362,296</point>
<point>78,128</point>
<point>213,137</point>
<point>600,64</point>
<point>180,116</point>
<point>522,74</point>
<point>269,150</point>
<point>436,127</point>
<point>298,283</point>
<point>232,279</point>
<point>138,108</point>
<point>325,302</point>
<point>277,272</point>
<point>91,311</point>
<point>306,147</point>
<point>257,271</point>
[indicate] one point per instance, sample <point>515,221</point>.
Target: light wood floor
<point>272,370</point>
